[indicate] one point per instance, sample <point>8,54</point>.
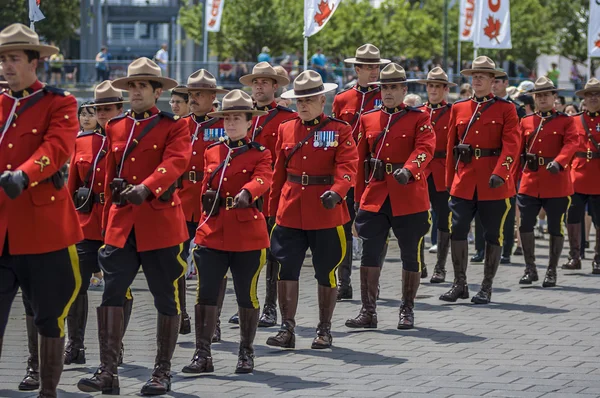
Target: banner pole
<point>305,53</point>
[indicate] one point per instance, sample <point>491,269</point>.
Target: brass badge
<point>162,170</point>
<point>43,162</point>
<point>347,177</point>
<point>420,159</point>
<point>508,162</point>
<point>260,180</point>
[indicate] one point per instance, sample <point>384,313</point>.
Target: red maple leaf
<point>492,30</point>
<point>325,12</point>
<point>597,43</point>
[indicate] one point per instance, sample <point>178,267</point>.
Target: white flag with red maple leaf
<point>493,24</point>
<point>316,14</point>
<point>594,29</point>
<point>467,20</point>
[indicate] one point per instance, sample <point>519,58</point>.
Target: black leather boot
<point>344,273</point>
<point>217,335</point>
<point>206,319</point>
<point>556,246</point>
<point>574,232</point>
<point>492,261</point>
<point>528,244</point>
<point>443,244</point>
<point>127,308</point>
<point>76,323</point>
<point>460,258</point>
<point>186,323</point>
<point>410,285</point>
<point>287,294</point>
<point>269,314</point>
<point>31,381</point>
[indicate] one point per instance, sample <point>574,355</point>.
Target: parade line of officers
<point>256,184</point>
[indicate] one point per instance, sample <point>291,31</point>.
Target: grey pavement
<point>531,342</point>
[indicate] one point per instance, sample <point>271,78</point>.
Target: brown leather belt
<point>192,176</point>
<point>310,180</point>
<point>588,155</point>
<point>391,167</point>
<point>99,198</point>
<point>227,202</point>
<point>440,154</point>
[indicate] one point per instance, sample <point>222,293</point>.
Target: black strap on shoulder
<point>392,122</point>
<point>587,131</point>
<point>260,128</point>
<point>537,131</point>
<point>234,155</point>
<point>30,102</point>
<point>204,126</point>
<point>299,145</point>
<point>99,157</point>
<point>490,103</point>
<point>134,142</point>
<point>439,115</point>
<point>357,114</point>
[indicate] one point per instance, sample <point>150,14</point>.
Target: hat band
<point>439,79</point>
<point>392,80</point>
<point>366,60</point>
<point>107,99</point>
<point>484,67</point>
<point>143,74</point>
<point>202,85</point>
<point>310,90</point>
<point>19,42</point>
<point>237,108</point>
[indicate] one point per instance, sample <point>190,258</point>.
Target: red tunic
<point>300,206</point>
<point>585,171</point>
<point>39,142</point>
<point>350,104</point>
<point>439,115</point>
<point>236,230</point>
<point>88,146</point>
<point>157,161</point>
<point>558,138</point>
<point>203,131</point>
<point>410,141</point>
<point>496,128</point>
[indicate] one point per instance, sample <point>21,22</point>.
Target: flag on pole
<point>466,25</point>
<point>594,29</point>
<point>493,24</point>
<point>34,11</point>
<point>317,13</point>
<point>214,12</point>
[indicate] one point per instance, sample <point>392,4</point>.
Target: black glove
<point>496,181</point>
<point>330,199</point>
<point>242,200</point>
<point>136,194</point>
<point>13,183</point>
<point>554,167</point>
<point>356,207</point>
<point>402,176</point>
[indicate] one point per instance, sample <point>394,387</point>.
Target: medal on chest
<point>326,139</point>
<point>214,134</point>
<point>378,103</point>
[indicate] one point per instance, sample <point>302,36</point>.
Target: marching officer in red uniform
<point>584,173</point>
<point>204,130</point>
<point>39,128</point>
<point>396,143</point>
<point>264,82</point>
<point>484,141</point>
<point>143,222</point>
<point>437,86</point>
<point>232,233</point>
<point>87,170</point>
<point>315,168</point>
<point>549,140</point>
<point>349,105</point>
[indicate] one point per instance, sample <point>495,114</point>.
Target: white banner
<point>466,21</point>
<point>594,29</point>
<point>34,11</point>
<point>214,12</point>
<point>317,14</point>
<point>493,24</point>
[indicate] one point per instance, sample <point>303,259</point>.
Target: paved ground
<point>531,342</point>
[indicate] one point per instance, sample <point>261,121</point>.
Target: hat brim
<point>543,90</point>
<point>216,90</point>
<point>254,112</point>
<point>382,61</point>
<point>122,83</point>
<point>93,104</point>
<point>246,80</point>
<point>581,93</point>
<point>291,94</point>
<point>496,73</point>
<point>379,83</point>
<point>44,49</point>
<point>425,81</point>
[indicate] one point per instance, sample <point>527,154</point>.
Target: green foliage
<point>190,19</point>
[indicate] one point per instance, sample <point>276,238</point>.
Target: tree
<point>61,22</point>
<point>570,20</point>
<point>190,19</point>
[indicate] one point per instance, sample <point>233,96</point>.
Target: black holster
<point>117,186</point>
<point>375,168</point>
<point>210,202</point>
<point>464,153</point>
<point>531,160</point>
<point>83,200</point>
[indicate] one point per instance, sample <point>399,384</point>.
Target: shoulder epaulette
<point>448,105</point>
<point>256,145</point>
<point>562,114</point>
<point>85,133</point>
<point>56,90</point>
<point>283,108</point>
<point>462,100</point>
<point>502,99</point>
<point>578,113</point>
<point>289,120</point>
<point>414,109</point>
<point>121,116</point>
<point>528,115</point>
<point>215,144</point>
<point>339,120</point>
<point>343,91</point>
<point>371,111</point>
<point>169,115</point>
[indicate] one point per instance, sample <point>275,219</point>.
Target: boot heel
<point>112,391</point>
<point>292,342</point>
<point>465,293</point>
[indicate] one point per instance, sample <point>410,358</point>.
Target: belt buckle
<point>192,176</point>
<point>589,154</point>
<point>228,203</point>
<point>541,161</point>
<point>477,153</point>
<point>389,168</point>
<point>304,179</point>
<point>101,196</point>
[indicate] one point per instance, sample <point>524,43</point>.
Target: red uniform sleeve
<point>279,175</point>
<point>111,172</point>
<point>422,153</point>
<point>262,177</point>
<point>363,152</point>
<point>58,144</point>
<point>518,171</point>
<point>511,143</point>
<point>452,140</point>
<point>570,144</point>
<point>346,162</point>
<point>73,181</point>
<point>175,160</point>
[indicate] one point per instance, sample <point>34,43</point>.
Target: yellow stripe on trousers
<point>342,237</point>
<point>254,282</point>
<point>501,232</point>
<point>562,217</point>
<point>422,242</point>
<point>74,259</point>
<point>175,282</point>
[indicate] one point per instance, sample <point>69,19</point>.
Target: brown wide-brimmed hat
<point>106,94</point>
<point>19,37</point>
<point>392,74</point>
<point>144,69</point>
<point>263,70</point>
<point>436,75</point>
<point>543,85</point>
<point>592,85</point>
<point>367,54</point>
<point>483,64</point>
<point>237,101</point>
<point>308,84</point>
<point>202,80</point>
